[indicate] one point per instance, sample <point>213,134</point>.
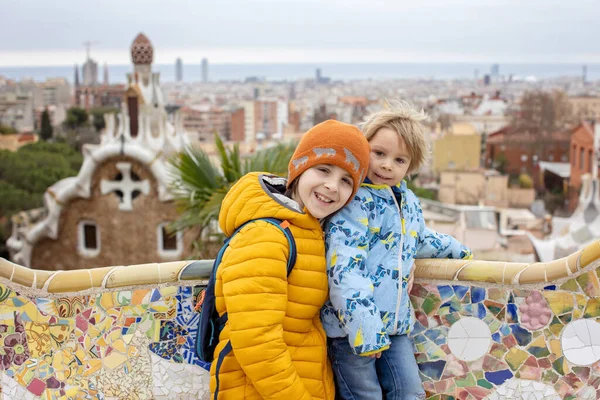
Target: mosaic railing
<point>485,330</point>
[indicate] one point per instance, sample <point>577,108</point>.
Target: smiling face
<point>323,189</point>
<point>389,160</point>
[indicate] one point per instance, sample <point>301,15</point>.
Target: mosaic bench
<point>484,330</point>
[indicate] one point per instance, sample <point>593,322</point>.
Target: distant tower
<point>90,68</point>
<point>105,81</point>
<point>179,70</point>
<point>76,76</point>
<point>495,71</point>
<point>584,74</point>
<point>204,70</point>
<point>318,75</point>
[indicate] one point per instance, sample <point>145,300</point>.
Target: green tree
<point>7,130</point>
<point>98,116</point>
<point>199,186</point>
<point>26,174</point>
<point>46,129</point>
<point>76,117</point>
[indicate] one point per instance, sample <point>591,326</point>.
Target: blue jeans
<point>394,376</point>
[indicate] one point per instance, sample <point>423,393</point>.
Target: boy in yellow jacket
<point>279,348</point>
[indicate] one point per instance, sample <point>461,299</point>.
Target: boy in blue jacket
<point>371,247</point>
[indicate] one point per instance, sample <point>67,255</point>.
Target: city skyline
<point>233,31</point>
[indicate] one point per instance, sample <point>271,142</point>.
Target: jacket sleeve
<point>350,286</point>
<point>432,244</point>
<point>255,292</point>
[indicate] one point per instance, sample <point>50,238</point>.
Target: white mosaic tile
<point>580,342</point>
<point>178,381</point>
<point>469,338</point>
<point>11,390</point>
<point>520,389</point>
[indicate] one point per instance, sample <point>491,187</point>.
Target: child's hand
<point>376,355</point>
<point>411,279</point>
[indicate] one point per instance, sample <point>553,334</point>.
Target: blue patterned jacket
<point>371,247</point>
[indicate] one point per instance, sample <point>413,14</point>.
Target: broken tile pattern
<point>452,365</point>
<point>101,346</point>
<point>524,390</point>
<point>178,379</point>
<point>471,342</point>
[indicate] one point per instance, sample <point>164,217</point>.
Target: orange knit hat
<point>332,142</point>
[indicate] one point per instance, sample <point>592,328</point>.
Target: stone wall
<point>135,241</point>
<point>485,330</point>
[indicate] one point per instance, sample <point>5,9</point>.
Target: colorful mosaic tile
<point>471,342</point>
<point>525,330</point>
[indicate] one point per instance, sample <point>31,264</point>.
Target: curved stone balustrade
<point>483,330</point>
<point>504,273</point>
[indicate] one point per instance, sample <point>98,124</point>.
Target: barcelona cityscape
<point>140,142</point>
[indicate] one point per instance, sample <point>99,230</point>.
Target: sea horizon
<point>335,71</point>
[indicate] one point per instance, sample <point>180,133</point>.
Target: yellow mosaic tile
<point>559,303</point>
<point>38,339</point>
<point>556,347</point>
<point>138,296</point>
<point>592,309</point>
<point>113,360</point>
<point>515,357</point>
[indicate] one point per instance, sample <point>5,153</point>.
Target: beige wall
<point>456,152</point>
<point>585,107</point>
<point>126,237</point>
<point>520,198</point>
<point>473,188</point>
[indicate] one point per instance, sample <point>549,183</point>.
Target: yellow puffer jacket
<point>279,346</point>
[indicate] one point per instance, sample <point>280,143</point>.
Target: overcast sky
<point>41,32</point>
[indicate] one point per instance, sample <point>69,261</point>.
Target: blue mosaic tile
<point>460,290</point>
<point>550,287</point>
<point>511,313</point>
<point>417,328</point>
<point>445,292</point>
<point>155,295</point>
<point>505,330</point>
<point>433,370</point>
<point>419,339</point>
<point>496,337</point>
<point>432,334</point>
<point>522,335</point>
<point>481,311</point>
<point>477,294</point>
<point>498,377</point>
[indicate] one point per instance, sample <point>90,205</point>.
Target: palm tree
<point>199,186</point>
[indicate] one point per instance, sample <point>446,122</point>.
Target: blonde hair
<point>406,121</point>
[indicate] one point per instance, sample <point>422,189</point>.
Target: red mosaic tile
<point>37,386</point>
<point>509,341</point>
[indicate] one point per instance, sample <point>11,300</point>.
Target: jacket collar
<point>398,190</point>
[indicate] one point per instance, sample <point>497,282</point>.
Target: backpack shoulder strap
<point>284,227</point>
